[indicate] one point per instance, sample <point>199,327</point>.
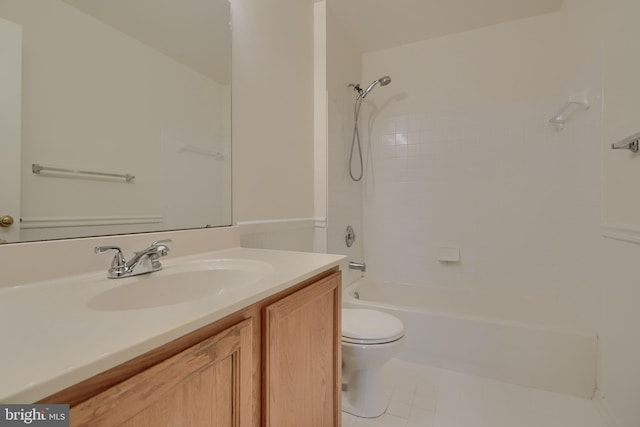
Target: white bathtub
<point>522,340</point>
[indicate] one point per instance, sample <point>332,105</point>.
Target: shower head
<point>383,81</point>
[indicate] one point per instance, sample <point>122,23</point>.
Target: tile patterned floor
<point>423,396</point>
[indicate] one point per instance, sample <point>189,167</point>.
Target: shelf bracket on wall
<point>576,102</point>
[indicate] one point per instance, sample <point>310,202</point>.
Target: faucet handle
<point>118,265</point>
<point>162,246</point>
<point>162,242</point>
<point>118,259</point>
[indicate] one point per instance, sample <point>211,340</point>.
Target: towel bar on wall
<point>182,148</point>
<point>36,168</point>
<point>629,143</point>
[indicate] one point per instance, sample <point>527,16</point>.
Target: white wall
<point>273,115</point>
<point>612,24</point>
<point>620,36</point>
<point>501,63</point>
<point>77,72</point>
<point>344,194</point>
<point>591,23</point>
<point>266,200</point>
<point>320,125</point>
<point>291,234</point>
<point>619,336</point>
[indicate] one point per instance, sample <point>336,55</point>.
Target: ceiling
<point>196,32</point>
<point>193,32</point>
<point>380,24</point>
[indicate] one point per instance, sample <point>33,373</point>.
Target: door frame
<point>10,126</point>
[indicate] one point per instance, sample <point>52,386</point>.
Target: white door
<point>10,126</point>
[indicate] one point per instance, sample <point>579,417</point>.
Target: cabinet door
<point>302,363</point>
<point>209,384</point>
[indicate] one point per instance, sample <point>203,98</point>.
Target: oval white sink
<point>180,283</point>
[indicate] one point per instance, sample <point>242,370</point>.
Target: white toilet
<point>370,339</point>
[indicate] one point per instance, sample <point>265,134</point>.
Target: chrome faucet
<point>145,261</point>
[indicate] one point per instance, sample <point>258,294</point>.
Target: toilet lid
<point>372,326</point>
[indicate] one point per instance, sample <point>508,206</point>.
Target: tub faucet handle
<point>358,266</point>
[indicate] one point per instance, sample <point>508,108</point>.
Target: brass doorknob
<point>6,221</point>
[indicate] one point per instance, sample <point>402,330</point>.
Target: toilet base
<point>365,394</point>
<point>347,408</point>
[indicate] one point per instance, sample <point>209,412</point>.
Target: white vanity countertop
<point>53,336</point>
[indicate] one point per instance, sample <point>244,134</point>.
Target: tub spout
<point>358,266</point>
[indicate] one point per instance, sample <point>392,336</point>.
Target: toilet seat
<point>364,326</point>
<point>346,340</point>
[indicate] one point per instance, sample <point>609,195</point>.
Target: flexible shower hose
<point>356,140</point>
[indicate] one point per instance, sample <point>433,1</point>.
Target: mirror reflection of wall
<point>95,98</point>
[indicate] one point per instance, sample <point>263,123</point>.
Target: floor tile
<point>425,396</point>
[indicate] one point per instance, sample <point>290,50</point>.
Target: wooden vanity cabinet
<point>276,363</point>
<point>302,362</point>
<point>208,384</point>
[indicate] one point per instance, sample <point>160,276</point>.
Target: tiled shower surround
<point>517,196</point>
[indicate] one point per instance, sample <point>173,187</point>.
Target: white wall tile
<point>519,200</point>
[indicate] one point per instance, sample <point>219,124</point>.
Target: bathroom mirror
<point>123,117</point>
